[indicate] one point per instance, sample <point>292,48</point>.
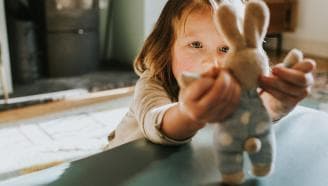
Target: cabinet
<point>72,37</point>
<point>283,17</point>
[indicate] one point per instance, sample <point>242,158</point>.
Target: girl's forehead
<point>193,16</point>
<point>197,21</point>
<point>204,9</point>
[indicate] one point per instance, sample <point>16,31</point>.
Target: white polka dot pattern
<point>245,118</point>
<point>225,139</point>
<point>261,127</point>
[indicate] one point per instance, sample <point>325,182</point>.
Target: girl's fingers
<point>293,76</point>
<point>227,104</point>
<point>281,96</point>
<point>206,97</point>
<point>219,90</point>
<point>216,112</point>
<point>306,66</point>
<point>197,89</point>
<point>232,103</point>
<point>220,109</point>
<point>283,87</point>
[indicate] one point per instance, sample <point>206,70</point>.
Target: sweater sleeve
<point>150,104</point>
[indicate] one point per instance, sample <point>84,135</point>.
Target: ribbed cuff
<point>153,128</point>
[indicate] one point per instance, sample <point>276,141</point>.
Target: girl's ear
<point>256,23</point>
<point>227,24</point>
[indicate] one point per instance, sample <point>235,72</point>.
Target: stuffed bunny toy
<point>249,127</point>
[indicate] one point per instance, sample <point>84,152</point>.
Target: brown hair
<point>155,55</point>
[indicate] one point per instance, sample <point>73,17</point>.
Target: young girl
<point>185,39</point>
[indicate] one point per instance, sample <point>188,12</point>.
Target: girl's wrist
<point>178,125</point>
<point>192,124</point>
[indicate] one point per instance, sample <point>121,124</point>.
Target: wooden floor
<point>38,143</point>
<point>29,112</point>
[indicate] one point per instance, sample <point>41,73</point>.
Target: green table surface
<point>302,160</point>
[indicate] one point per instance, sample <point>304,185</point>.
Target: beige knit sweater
<point>145,115</point>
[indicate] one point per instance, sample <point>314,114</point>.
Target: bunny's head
<point>246,59</point>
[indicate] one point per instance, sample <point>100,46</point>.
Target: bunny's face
<point>247,65</point>
<point>246,58</point>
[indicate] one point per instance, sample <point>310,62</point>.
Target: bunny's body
<point>249,128</point>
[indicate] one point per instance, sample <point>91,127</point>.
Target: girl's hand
<point>211,98</point>
<point>286,87</point>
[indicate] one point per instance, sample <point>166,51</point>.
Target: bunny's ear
<point>227,23</point>
<point>256,23</point>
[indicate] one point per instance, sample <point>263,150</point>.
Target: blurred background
<point>75,54</point>
<point>55,45</point>
<point>72,44</point>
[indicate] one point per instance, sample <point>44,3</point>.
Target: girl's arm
<point>151,106</point>
<point>204,101</point>
<point>178,125</point>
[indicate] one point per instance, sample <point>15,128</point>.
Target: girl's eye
<point>224,49</point>
<point>196,44</point>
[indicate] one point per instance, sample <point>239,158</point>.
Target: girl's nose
<point>216,62</point>
<point>213,61</point>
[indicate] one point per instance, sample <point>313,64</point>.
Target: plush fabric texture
<point>249,129</point>
<point>249,121</point>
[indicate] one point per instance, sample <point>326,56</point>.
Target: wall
<point>132,21</point>
<point>4,47</point>
<point>128,29</point>
<point>152,11</point>
<point>311,34</point>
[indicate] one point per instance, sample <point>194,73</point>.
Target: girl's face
<point>198,45</point>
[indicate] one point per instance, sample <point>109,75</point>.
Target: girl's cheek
<point>188,64</point>
<point>186,60</point>
<point>193,67</point>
